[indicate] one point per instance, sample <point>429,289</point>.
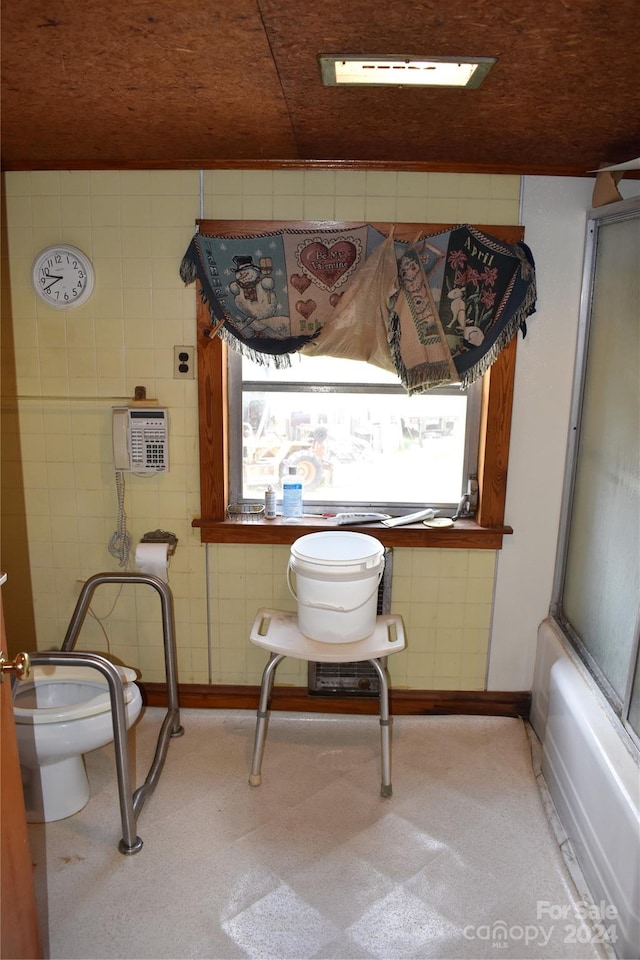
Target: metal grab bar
<point>171,724</point>
<point>130,843</point>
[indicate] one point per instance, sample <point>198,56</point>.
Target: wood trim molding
<point>484,532</point>
<point>464,535</point>
<point>525,168</point>
<point>495,437</point>
<point>402,702</point>
<point>212,419</point>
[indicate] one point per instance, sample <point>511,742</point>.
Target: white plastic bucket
<point>337,575</point>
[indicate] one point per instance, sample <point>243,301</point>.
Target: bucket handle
<point>330,606</point>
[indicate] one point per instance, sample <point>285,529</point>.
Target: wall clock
<point>62,276</point>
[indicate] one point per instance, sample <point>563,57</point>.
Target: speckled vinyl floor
<point>460,862</point>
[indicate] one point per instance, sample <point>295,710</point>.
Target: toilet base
<point>55,791</point>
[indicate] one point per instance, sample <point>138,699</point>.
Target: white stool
<point>277,631</point>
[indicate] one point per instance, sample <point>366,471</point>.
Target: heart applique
<point>299,282</point>
<point>306,307</point>
<point>335,299</point>
<point>329,263</point>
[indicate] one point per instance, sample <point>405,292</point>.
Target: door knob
<point>20,663</point>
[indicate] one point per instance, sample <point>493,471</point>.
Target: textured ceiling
<point>205,83</point>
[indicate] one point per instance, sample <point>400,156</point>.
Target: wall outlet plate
<point>184,363</point>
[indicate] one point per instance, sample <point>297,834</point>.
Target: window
<point>481,415</point>
<point>597,588</point>
<point>352,433</point>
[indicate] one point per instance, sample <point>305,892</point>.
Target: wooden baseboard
<point>402,702</point>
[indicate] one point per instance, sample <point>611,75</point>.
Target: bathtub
<point>593,775</point>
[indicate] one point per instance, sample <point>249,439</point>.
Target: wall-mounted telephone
<point>140,439</point>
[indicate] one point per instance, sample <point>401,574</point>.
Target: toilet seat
<point>89,706</point>
<point>63,712</point>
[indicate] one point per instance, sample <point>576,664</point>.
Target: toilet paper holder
<point>161,536</point>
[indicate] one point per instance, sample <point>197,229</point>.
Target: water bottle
<point>292,494</point>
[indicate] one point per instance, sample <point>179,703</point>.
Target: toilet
<point>62,713</point>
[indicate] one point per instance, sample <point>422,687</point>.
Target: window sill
<point>464,535</point>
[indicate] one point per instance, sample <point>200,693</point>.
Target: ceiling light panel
<point>392,71</point>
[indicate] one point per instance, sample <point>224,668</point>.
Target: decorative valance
<point>433,311</point>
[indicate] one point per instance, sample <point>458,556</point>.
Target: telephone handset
<point>140,439</point>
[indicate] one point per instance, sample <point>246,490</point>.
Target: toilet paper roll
<point>153,558</point>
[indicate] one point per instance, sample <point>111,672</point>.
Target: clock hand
<point>53,280</point>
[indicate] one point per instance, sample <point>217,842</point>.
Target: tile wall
<point>73,366</point>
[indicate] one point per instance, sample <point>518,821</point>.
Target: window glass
<point>600,579</point>
<point>351,431</point>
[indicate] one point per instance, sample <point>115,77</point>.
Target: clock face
<point>63,276</point>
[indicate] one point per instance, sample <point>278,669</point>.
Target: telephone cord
<point>120,543</point>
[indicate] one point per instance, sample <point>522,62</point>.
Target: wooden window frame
<point>485,531</point>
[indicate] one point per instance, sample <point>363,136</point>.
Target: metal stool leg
<point>385,728</point>
<point>255,777</point>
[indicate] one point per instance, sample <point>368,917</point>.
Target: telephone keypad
<point>148,447</point>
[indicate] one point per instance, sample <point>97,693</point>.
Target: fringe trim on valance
<point>517,322</point>
<point>188,269</point>
<point>422,377</point>
<point>281,361</point>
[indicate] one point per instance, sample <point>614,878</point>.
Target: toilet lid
<point>96,701</point>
